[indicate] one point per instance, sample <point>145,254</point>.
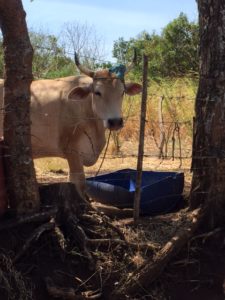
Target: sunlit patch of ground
<point>152,232</point>
<point>56,169</point>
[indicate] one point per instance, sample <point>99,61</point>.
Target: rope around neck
<point>106,148</point>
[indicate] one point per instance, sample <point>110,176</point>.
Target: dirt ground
<point>199,270</point>
<point>197,273</point>
<point>51,265</point>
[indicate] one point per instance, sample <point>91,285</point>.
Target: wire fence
<point>166,138</point>
<point>175,145</point>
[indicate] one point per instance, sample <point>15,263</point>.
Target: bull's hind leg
<point>76,173</point>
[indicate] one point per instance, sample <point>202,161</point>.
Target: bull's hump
<point>102,74</point>
<point>75,80</point>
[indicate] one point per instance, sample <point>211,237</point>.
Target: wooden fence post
<point>162,136</point>
<point>137,195</point>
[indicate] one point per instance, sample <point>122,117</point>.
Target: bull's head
<point>107,88</point>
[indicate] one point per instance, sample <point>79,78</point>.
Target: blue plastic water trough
<point>161,192</point>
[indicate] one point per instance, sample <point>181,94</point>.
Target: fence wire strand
<point>176,153</point>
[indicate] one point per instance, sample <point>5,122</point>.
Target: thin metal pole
<point>137,196</point>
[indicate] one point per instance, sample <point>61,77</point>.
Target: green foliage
<point>120,50</point>
<point>50,59</point>
<point>103,65</point>
<point>180,47</point>
<point>173,53</point>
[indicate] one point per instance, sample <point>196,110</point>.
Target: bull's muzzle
<point>115,124</point>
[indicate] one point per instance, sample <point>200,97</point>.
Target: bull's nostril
<point>121,122</point>
<point>115,123</point>
<point>111,122</point>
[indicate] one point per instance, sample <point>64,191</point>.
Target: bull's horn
<point>83,69</point>
<point>133,62</point>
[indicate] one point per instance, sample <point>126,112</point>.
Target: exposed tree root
<point>33,218</point>
<point>108,223</point>
<point>78,234</point>
<point>100,219</point>
<point>33,238</point>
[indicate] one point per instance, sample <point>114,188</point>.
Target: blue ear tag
<point>118,70</point>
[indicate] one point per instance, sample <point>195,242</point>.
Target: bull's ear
<point>133,88</point>
<point>79,93</point>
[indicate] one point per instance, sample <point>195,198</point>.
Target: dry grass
<point>115,264</point>
<point>56,170</point>
<point>119,263</point>
<point>155,230</point>
<point>12,282</point>
<point>178,106</point>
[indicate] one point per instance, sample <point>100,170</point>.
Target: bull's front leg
<point>76,173</point>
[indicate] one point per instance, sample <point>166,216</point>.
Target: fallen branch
<point>145,275</point>
<point>33,238</point>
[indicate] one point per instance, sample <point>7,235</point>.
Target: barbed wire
<point>98,119</point>
<point>41,154</point>
<point>128,117</point>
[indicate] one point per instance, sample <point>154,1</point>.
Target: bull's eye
<point>98,94</point>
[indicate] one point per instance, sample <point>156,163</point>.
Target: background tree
<point>18,53</point>
<point>121,49</point>
<point>173,53</point>
<point>50,59</point>
<point>208,163</point>
<point>179,47</point>
<point>83,39</point>
<point>54,57</point>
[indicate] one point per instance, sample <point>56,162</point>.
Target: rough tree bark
<point>18,54</point>
<point>208,164</point>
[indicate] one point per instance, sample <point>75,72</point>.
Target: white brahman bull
<point>69,116</point>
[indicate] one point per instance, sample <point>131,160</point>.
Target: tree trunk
<point>18,54</point>
<point>208,163</point>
